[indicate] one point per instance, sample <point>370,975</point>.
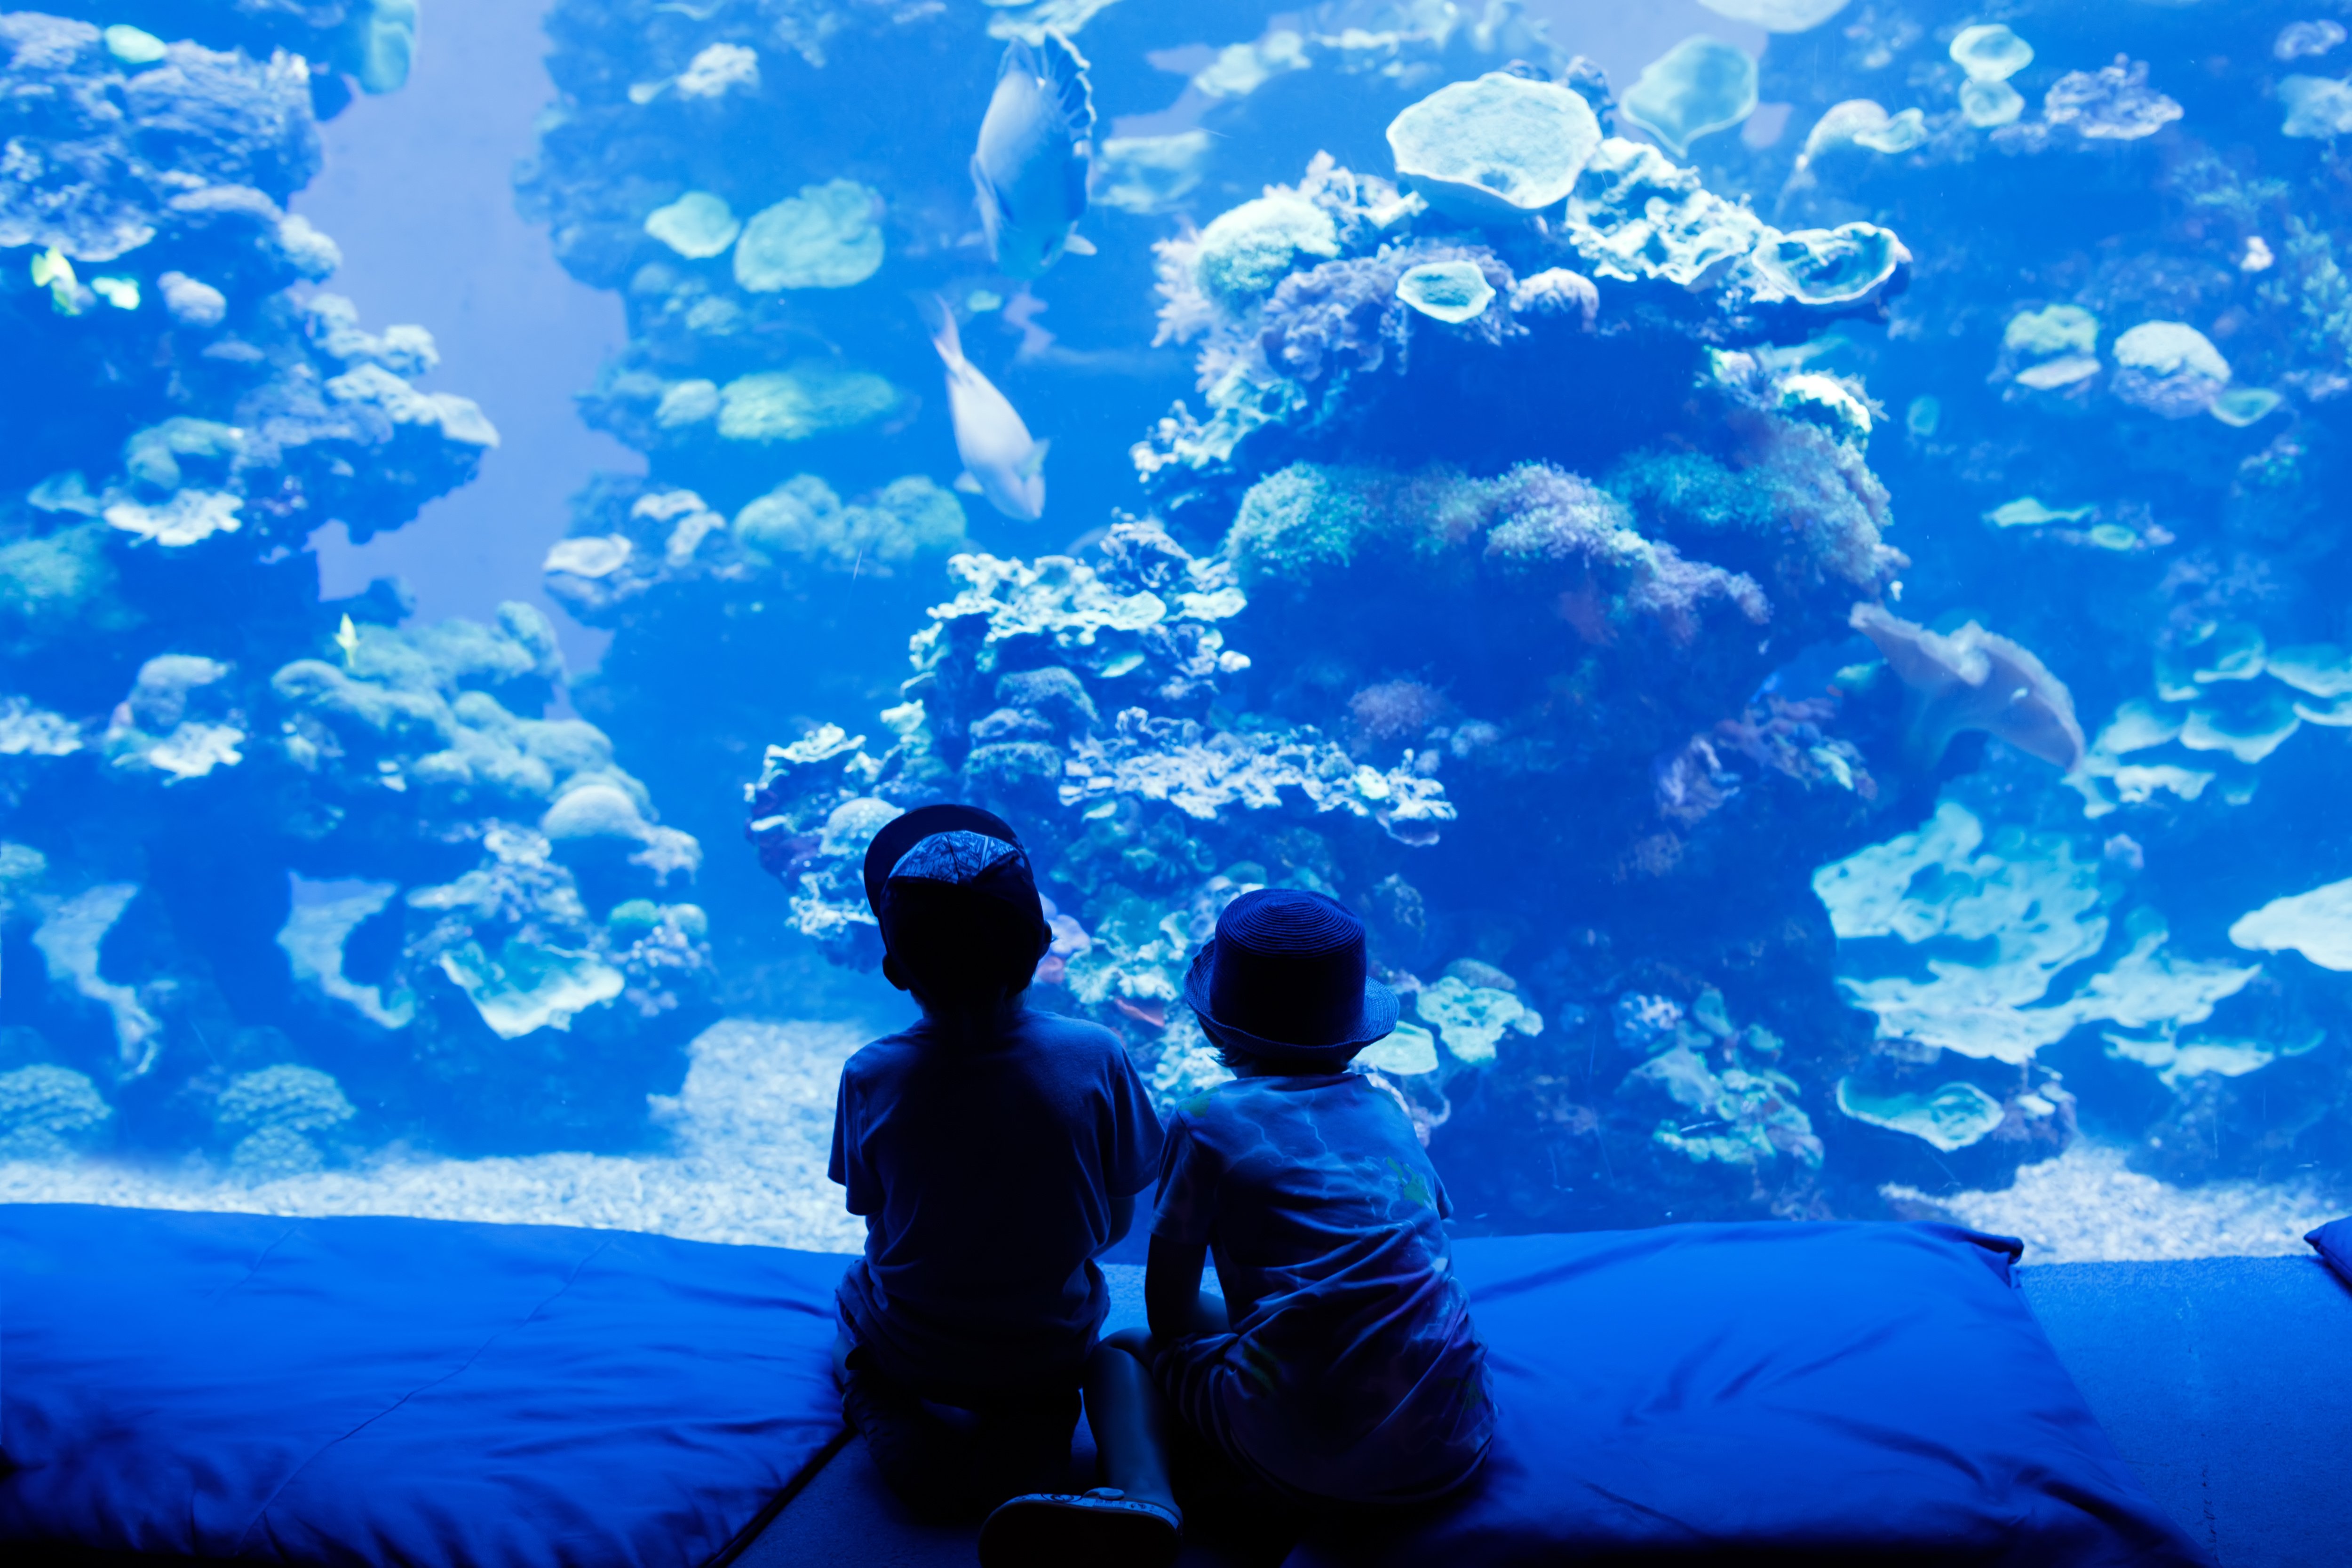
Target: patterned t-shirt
<point>1353,1372</point>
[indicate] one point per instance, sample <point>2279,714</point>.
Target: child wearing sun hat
<point>1340,1365</point>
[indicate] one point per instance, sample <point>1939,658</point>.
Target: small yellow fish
<point>348,639</point>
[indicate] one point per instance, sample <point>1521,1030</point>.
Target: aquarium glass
<point>1790,559</point>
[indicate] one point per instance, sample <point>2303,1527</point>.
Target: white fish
<point>1036,152</point>
<point>1000,460</point>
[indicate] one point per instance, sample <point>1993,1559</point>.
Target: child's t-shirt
<point>986,1172</point>
<point>1352,1371</point>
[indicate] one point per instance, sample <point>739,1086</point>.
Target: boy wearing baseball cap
<point>993,1150</point>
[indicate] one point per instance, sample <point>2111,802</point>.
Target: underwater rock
<point>197,122</point>
<point>1831,267</point>
<point>1636,217</point>
<point>1246,251</point>
<point>2006,922</point>
<point>1952,1118</point>
<point>2050,348</point>
<point>1697,87</point>
<point>1073,694</point>
<point>1990,52</point>
<point>698,225</point>
<point>807,398</point>
<point>1730,1110</point>
<point>1284,353</point>
<point>1500,147</point>
<point>1778,15</point>
<point>2114,104</point>
<point>825,237</point>
<point>323,916</point>
<point>2306,40</point>
<point>282,1105</point>
<point>2168,368</point>
<point>48,1113</point>
<point>1449,292</point>
<point>2316,924</point>
<point>1472,1019</point>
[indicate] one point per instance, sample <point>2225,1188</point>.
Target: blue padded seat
<point>2333,1242</point>
<point>1772,1392</point>
<point>372,1391</point>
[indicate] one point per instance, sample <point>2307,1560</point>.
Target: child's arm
<point>1171,1288</point>
<point>1122,1219</point>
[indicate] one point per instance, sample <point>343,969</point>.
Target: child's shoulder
<point>1320,1100</point>
<point>1061,1032</point>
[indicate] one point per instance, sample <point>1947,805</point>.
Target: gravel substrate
<point>2086,1207</point>
<point>753,1128</point>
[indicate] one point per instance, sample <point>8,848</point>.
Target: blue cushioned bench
<point>389,1391</point>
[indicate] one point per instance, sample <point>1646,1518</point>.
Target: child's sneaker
<point>1058,1530</point>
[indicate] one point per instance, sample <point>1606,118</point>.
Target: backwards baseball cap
<point>953,884</point>
<point>904,832</point>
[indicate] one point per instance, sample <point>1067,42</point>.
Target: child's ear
<point>890,972</point>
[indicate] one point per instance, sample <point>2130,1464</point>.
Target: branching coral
<point>1073,694</point>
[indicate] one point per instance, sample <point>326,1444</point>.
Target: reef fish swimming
<point>1000,460</point>
<point>1036,150</point>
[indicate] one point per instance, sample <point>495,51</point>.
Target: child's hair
<point>1233,1056</point>
<point>1236,1056</point>
<point>961,921</point>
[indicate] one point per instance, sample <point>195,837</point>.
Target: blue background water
<point>351,966</point>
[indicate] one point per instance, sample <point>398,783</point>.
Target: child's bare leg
<point>1128,1417</point>
<point>1124,1408</point>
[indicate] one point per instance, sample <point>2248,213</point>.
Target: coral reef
<point>1543,619</point>
<point>285,880</point>
<point>2123,401</point>
<point>1304,302</point>
<point>1519,561</point>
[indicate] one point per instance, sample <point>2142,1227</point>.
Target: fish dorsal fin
<point>1055,61</point>
<point>1079,245</point>
<point>1035,463</point>
<point>967,484</point>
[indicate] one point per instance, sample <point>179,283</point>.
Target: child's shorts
<point>1204,1389</point>
<point>949,1451</point>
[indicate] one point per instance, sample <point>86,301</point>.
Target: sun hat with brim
<point>1285,979</point>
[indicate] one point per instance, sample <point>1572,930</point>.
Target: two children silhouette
<point>996,1150</point>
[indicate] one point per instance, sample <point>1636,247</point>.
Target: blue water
<point>1792,576</point>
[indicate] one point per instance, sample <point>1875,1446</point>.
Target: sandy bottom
<point>2086,1206</point>
<point>753,1126</point>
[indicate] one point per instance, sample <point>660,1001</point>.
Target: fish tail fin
<point>966,483</point>
<point>941,320</point>
<point>1079,245</point>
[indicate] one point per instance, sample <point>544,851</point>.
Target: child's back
<point>993,1150</point>
<point>1352,1372</point>
<point>988,1167</point>
<point>1340,1366</point>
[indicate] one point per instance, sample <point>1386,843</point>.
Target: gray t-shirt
<point>986,1173</point>
<point>1352,1372</point>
